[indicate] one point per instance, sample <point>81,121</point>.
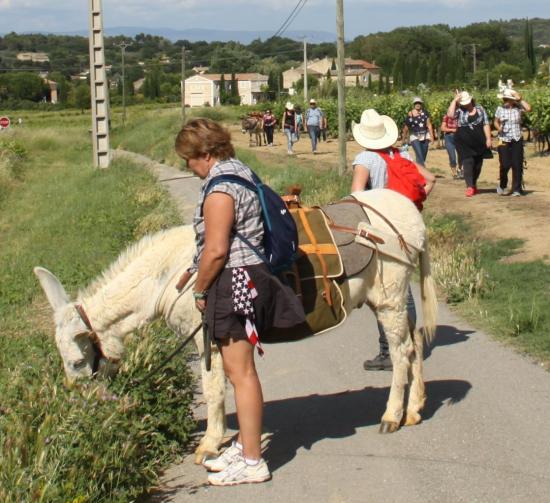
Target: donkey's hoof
<point>201,456</point>
<point>412,418</point>
<point>388,427</point>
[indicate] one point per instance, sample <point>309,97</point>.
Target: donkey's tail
<point>428,294</point>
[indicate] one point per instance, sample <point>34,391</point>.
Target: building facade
<point>204,89</point>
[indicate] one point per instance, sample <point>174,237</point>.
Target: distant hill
<point>199,34</point>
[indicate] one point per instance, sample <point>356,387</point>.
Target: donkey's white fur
<point>140,286</point>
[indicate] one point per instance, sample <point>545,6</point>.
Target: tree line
<point>437,56</point>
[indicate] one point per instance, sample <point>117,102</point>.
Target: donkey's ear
<point>52,288</point>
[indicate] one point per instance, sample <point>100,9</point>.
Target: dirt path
<point>495,217</point>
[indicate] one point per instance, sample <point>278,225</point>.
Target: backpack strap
<point>254,187</point>
<point>384,155</point>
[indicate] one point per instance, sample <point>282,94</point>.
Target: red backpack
<point>404,177</point>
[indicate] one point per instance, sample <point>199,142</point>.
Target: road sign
<point>4,122</point>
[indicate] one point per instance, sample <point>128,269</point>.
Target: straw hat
<point>289,106</point>
<point>312,102</point>
<point>417,99</point>
<point>508,94</point>
<point>465,98</point>
<point>375,131</point>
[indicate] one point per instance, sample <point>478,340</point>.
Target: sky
<point>361,16</point>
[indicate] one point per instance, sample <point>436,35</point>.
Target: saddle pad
<point>392,247</point>
<point>318,252</point>
<point>354,256</point>
<point>320,317</point>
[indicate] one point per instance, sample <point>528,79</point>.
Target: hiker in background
<point>418,128</point>
<point>269,121</point>
<point>448,128</point>
<point>299,120</point>
<point>324,125</point>
<point>508,117</point>
<point>472,137</point>
<point>227,269</point>
<point>288,123</point>
<point>377,133</point>
<point>314,119</point>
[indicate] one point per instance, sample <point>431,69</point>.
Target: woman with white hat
<point>418,126</point>
<point>377,133</point>
<point>290,126</point>
<point>508,118</point>
<point>472,137</point>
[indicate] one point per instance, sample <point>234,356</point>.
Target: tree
<point>370,82</point>
<point>151,86</point>
<point>23,86</point>
<point>80,96</point>
<point>311,83</point>
<point>223,90</point>
<point>234,98</point>
<point>380,84</point>
<point>232,58</point>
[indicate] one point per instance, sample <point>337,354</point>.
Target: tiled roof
<point>238,76</point>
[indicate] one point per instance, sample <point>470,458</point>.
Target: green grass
<point>78,445</point>
<point>509,300</point>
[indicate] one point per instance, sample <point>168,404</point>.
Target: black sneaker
<point>379,362</point>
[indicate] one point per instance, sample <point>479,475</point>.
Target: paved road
<point>485,435</point>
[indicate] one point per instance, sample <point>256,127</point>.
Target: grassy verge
<point>56,211</point>
<point>511,301</point>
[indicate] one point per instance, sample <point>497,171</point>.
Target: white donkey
<point>140,286</point>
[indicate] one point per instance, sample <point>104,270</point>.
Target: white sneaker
<point>232,453</point>
<point>500,190</point>
<point>239,472</point>
<point>516,194</point>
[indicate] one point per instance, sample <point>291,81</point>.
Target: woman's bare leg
<point>238,361</point>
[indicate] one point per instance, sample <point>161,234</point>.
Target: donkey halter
<point>94,339</point>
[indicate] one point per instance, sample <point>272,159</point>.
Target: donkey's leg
<point>394,321</point>
<point>417,394</point>
<point>213,385</point>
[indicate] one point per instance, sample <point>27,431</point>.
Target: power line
<point>291,17</point>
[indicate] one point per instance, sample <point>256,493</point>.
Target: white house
<point>204,89</point>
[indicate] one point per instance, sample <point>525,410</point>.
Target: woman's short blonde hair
<point>204,136</point>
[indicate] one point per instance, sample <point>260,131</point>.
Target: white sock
<point>251,462</point>
<point>238,446</point>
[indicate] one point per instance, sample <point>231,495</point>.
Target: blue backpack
<point>280,234</point>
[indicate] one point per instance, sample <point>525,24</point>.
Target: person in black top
<point>289,125</point>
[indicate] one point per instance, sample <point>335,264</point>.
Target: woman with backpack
<point>372,169</point>
<point>472,137</point>
<point>234,289</point>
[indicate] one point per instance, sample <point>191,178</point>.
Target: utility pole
<point>474,55</point>
<point>183,51</point>
<point>98,87</point>
<point>305,69</point>
<point>123,46</point>
<point>342,133</point>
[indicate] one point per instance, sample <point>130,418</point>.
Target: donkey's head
<point>72,335</point>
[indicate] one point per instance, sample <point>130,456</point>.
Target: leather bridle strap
<point>92,335</point>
